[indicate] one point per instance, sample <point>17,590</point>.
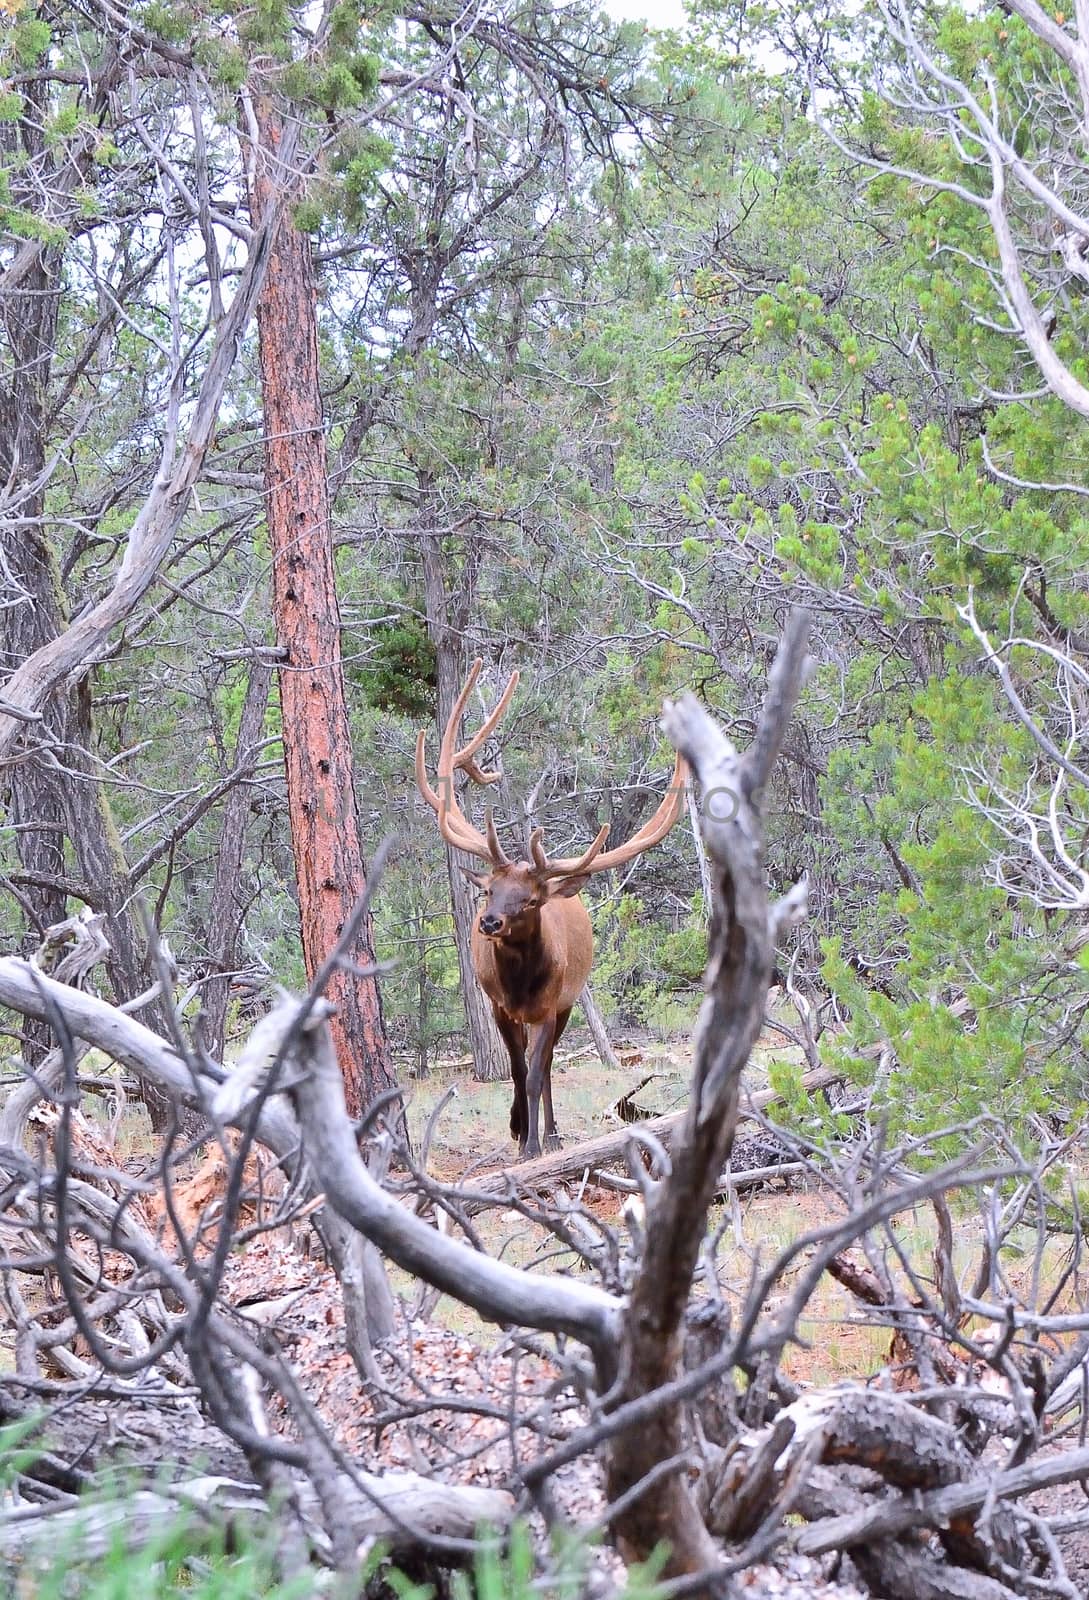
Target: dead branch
<point>661,1398</point>
<point>137,1047</point>
<point>943,1505</point>
<point>28,688</point>
<point>738,978</point>
<point>497,1291</point>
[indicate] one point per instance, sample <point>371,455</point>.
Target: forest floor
<point>448,1379</point>
<point>470,1140</point>
<point>445,1352</point>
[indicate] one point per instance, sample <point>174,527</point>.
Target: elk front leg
<point>513,1034</point>
<point>552,1140</point>
<point>540,1066</point>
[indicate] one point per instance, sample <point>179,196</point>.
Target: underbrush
<point>124,1544</point>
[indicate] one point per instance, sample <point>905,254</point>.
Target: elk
<point>532,945</point>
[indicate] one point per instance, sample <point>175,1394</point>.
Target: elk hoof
<point>553,1141</point>
<point>529,1152</point>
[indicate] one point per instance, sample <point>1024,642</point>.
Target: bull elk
<point>532,945</point>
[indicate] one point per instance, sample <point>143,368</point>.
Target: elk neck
<point>523,965</point>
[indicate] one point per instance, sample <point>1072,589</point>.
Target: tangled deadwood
<point>638,1384</point>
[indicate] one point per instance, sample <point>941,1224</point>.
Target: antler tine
<point>423,782</point>
<point>487,726</point>
<point>447,759</point>
<point>499,855</point>
<point>569,866</point>
<point>471,770</point>
<point>653,830</point>
<point>454,826</point>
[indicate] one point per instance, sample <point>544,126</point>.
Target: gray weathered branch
<point>497,1291</point>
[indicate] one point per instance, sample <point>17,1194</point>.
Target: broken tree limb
<point>742,958</point>
<point>442,1510</point>
<point>938,1506</point>
<point>497,1291</point>
<point>598,1032</point>
<point>401,1508</point>
<point>897,1569</point>
<point>728,1183</point>
<point>387,1506</point>
<point>28,689</point>
<point>27,990</point>
<point>919,1350</point>
<point>909,1459</point>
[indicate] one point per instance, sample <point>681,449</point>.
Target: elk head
<point>515,893</point>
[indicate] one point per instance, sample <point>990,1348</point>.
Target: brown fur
<point>532,967</point>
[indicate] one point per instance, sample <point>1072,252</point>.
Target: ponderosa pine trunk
<point>318,758</point>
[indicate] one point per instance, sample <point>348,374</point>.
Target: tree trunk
<point>52,802</point>
<point>317,746</point>
<point>59,797</point>
<point>30,324</point>
<point>701,854</point>
<point>490,1061</point>
<point>226,909</point>
<point>103,865</point>
<point>739,972</point>
<point>598,1032</point>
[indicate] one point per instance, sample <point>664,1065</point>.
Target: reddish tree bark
<point>325,836</point>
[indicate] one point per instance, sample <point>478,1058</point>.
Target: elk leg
<point>540,1064</point>
<point>513,1035</point>
<point>552,1140</point>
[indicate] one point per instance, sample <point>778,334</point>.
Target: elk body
<point>532,945</point>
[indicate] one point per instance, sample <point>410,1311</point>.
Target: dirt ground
<point>470,1138</point>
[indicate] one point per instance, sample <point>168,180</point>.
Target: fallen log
<point>75,1449</point>
<point>935,1508</point>
<point>401,1509</point>
<point>898,1569</point>
<point>896,1464</point>
<point>544,1172</point>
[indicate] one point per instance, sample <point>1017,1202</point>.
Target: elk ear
<point>565,888</point>
<point>479,878</point>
